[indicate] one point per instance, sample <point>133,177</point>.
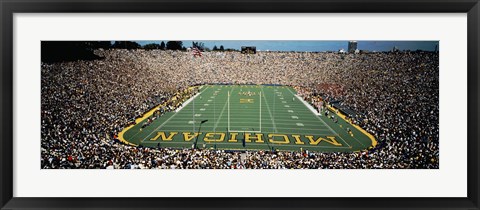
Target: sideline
<point>189,100</point>
<point>370,136</point>
<point>317,115</point>
<point>140,119</point>
<point>309,106</point>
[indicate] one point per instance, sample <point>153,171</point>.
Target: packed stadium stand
<point>86,103</point>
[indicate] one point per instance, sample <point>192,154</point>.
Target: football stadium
<point>189,105</point>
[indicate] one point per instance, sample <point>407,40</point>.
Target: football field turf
<point>249,117</point>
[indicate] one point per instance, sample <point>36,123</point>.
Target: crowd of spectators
<point>86,103</point>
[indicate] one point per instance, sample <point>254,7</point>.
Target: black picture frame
<point>10,7</point>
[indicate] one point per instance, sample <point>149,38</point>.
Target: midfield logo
<point>246,100</point>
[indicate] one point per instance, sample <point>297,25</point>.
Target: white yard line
<point>188,101</point>
<point>156,129</point>
<point>316,115</point>
<point>269,112</point>
<point>313,110</point>
<point>286,133</point>
<point>280,128</point>
<point>221,113</point>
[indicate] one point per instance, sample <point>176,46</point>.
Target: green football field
<point>249,117</point>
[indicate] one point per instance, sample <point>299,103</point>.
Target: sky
<point>312,46</point>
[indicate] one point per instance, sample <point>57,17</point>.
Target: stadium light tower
<point>199,128</point>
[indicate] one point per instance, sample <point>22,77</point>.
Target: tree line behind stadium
<point>57,51</point>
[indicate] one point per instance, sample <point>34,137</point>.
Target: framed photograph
<point>239,105</point>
